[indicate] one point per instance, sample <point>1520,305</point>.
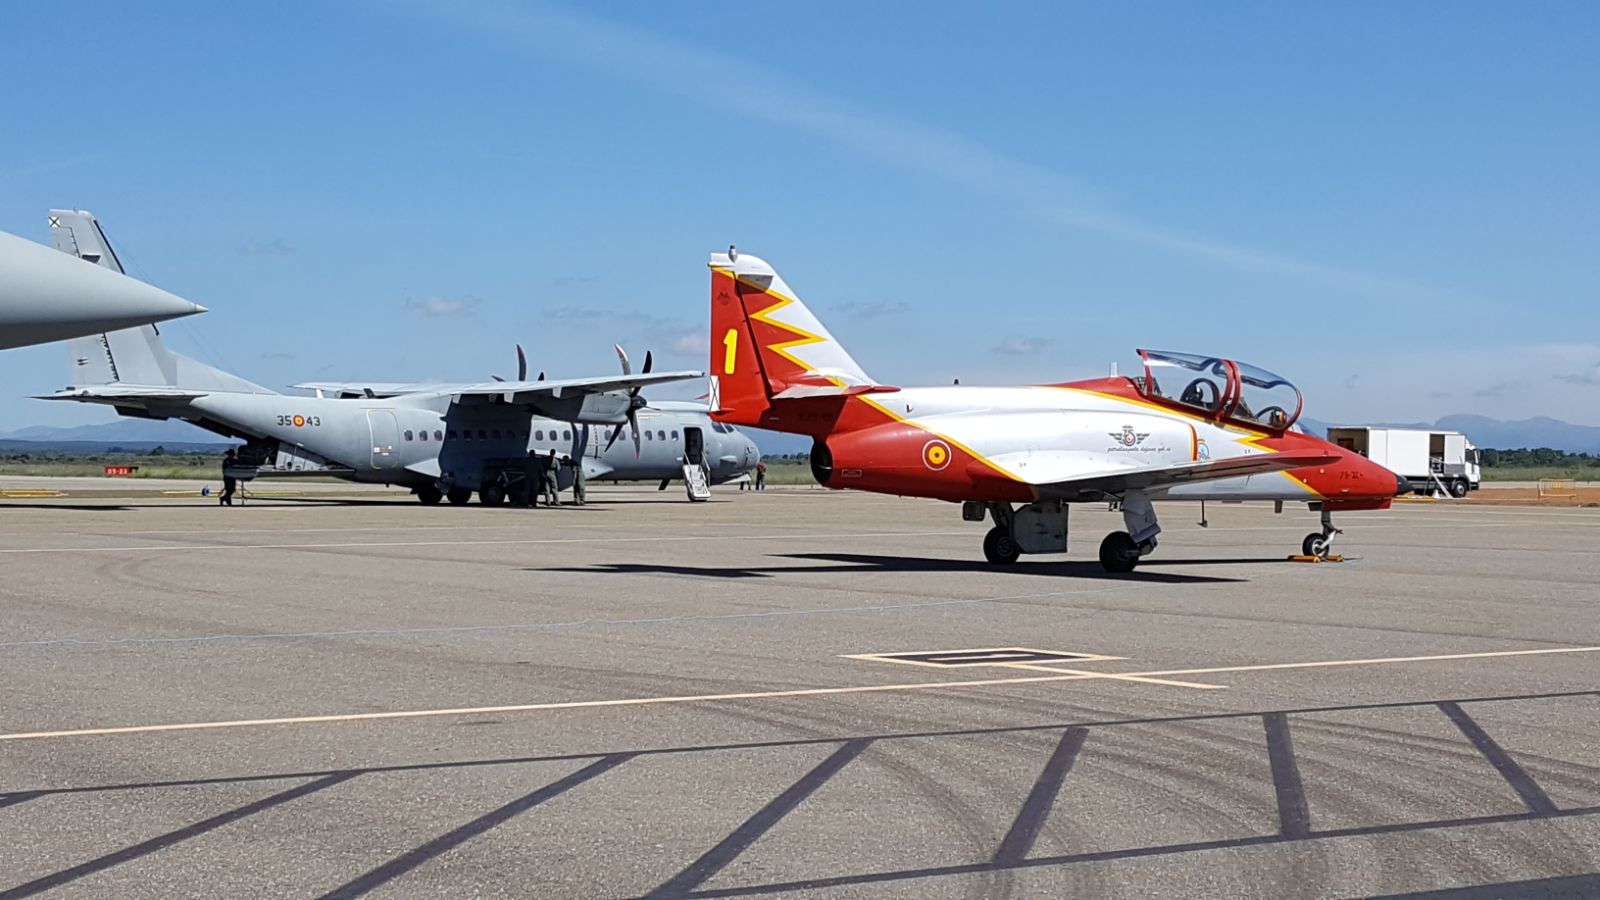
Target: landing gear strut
<point>1320,543</point>
<point>1121,550</point>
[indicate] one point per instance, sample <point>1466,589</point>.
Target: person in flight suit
<point>579,494</point>
<point>228,481</point>
<point>552,496</point>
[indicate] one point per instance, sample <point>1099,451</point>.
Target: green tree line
<point>1540,457</point>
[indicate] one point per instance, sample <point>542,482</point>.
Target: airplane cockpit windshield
<point>1220,388</point>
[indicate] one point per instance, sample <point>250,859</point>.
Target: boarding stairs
<point>696,482</point>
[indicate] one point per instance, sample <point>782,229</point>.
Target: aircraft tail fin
<point>131,356</point>
<point>767,347</point>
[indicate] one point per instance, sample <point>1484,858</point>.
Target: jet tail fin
<point>132,356</point>
<point>767,347</point>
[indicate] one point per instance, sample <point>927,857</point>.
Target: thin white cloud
<point>274,247</point>
<point>762,94</point>
<point>444,307</point>
<point>1022,346</point>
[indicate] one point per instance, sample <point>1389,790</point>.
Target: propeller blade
<point>623,355</point>
<point>541,376</point>
<point>497,378</point>
<point>648,359</point>
<point>615,433</point>
<point>633,419</point>
<point>522,364</point>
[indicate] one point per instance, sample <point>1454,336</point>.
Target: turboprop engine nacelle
<point>588,409</point>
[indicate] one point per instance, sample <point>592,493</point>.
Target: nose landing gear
<point>1318,545</point>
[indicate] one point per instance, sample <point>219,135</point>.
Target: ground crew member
<point>761,476</point>
<point>579,494</point>
<point>228,481</point>
<point>552,497</point>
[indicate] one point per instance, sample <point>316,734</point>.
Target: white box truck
<point>1442,461</point>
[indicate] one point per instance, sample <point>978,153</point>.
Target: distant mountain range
<point>144,433</point>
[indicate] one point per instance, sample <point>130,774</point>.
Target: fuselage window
<point>661,435</point>
<point>422,435</point>
<point>483,435</point>
<point>408,435</point>
<point>647,435</point>
<point>674,435</point>
<point>538,435</point>
<point>566,435</point>
<point>437,436</point>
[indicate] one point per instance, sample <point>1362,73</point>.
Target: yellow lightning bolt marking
<point>765,316</point>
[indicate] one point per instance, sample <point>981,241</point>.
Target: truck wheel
<point>1459,488</point>
<point>1118,553</point>
<point>1000,548</point>
<point>491,495</point>
<point>429,495</point>
<point>458,496</point>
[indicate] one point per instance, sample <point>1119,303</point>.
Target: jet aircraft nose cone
<point>1402,485</point>
<point>47,295</point>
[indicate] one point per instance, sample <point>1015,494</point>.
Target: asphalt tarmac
<point>310,696</point>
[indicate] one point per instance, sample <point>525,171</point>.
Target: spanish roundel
<point>936,455</point>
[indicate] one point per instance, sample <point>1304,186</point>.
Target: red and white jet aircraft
<point>1190,428</point>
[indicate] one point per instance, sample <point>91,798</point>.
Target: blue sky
<point>1396,205</point>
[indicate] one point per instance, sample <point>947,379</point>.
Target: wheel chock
<point>1302,558</point>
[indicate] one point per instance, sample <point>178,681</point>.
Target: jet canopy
<point>1220,388</point>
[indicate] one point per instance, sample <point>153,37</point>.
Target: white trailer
<point>1442,461</point>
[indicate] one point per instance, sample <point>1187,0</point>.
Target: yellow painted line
<point>748,695</point>
<point>31,493</point>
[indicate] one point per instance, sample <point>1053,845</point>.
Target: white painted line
<point>1373,662</point>
<point>748,695</point>
<point>1115,676</point>
<point>345,545</point>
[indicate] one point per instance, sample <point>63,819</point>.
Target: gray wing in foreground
<point>1141,479</point>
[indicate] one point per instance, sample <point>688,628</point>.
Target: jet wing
<point>1047,476</point>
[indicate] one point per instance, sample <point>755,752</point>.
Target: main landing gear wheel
<point>1000,548</point>
<point>458,496</point>
<point>429,495</point>
<point>491,495</point>
<point>1118,553</point>
<point>1314,544</point>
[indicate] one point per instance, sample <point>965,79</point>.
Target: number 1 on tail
<point>730,341</point>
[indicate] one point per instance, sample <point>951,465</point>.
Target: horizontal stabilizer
<point>795,390</point>
<point>111,393</point>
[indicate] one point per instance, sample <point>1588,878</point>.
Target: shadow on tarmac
<point>863,562</point>
<point>1295,824</point>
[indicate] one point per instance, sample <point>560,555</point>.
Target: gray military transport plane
<point>440,440</point>
<point>45,296</point>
